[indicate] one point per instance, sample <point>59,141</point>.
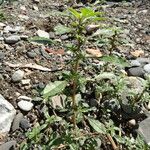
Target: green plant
<point>75,124</point>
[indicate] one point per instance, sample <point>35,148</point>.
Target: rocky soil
<point>26,67</point>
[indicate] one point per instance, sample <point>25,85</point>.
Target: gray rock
<point>13,30</point>
<point>135,84</point>
<point>25,105</point>
<point>52,35</point>
<point>2,55</point>
<point>24,37</point>
<point>7,114</point>
<point>16,121</point>
<point>64,37</point>
<point>37,99</point>
<point>135,63</point>
<point>147,68</point>
<point>24,124</point>
<point>31,54</point>
<point>17,76</point>
<point>144,130</point>
<point>136,71</point>
<point>8,145</point>
<point>143,60</point>
<point>12,39</point>
<point>41,85</point>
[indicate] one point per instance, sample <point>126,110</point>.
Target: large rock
<point>135,71</point>
<point>7,114</point>
<point>8,145</point>
<point>144,130</point>
<point>147,68</point>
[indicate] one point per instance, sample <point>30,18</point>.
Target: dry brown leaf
<point>94,52</point>
<point>137,53</point>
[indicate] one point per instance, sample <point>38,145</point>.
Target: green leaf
<point>41,40</point>
<point>115,60</point>
<point>74,13</point>
<point>97,126</point>
<point>61,29</point>
<point>54,88</point>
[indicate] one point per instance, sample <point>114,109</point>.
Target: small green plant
<point>77,27</point>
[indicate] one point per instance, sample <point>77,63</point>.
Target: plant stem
<point>112,142</point>
<point>74,106</point>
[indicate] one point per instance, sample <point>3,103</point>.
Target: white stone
<point>7,29</point>
<point>24,98</point>
<point>12,39</point>
<point>132,122</point>
<point>2,24</point>
<point>23,17</point>
<point>147,68</point>
<point>17,76</point>
<point>25,81</point>
<point>42,33</point>
<point>23,8</point>
<point>25,105</point>
<point>7,114</point>
<point>35,8</point>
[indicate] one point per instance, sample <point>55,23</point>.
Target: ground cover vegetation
<point>88,105</point>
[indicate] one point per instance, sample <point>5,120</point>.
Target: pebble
<point>24,98</point>
<point>2,24</point>
<point>143,60</point>
<point>12,39</point>
<point>23,17</point>
<point>25,81</point>
<point>135,63</point>
<point>135,71</point>
<point>43,34</point>
<point>24,124</point>
<point>16,122</point>
<point>52,35</point>
<point>35,8</point>
<point>31,54</point>
<point>64,37</point>
<point>132,122</point>
<point>17,76</point>
<point>41,85</point>
<point>1,39</point>
<point>7,114</point>
<point>147,68</point>
<point>24,37</point>
<point>25,105</point>
<point>8,145</point>
<point>2,55</point>
<point>12,30</point>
